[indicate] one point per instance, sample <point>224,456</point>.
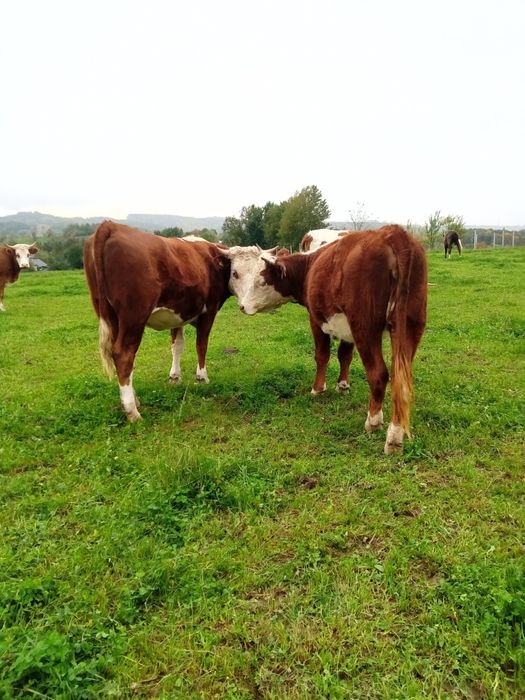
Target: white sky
<point>110,107</point>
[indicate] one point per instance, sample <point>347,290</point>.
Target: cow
<point>354,289</point>
<point>13,258</point>
<point>313,240</point>
<point>136,280</point>
<point>452,238</point>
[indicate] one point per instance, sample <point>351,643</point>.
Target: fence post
<point>513,239</point>
<point>503,238</point>
<point>475,238</point>
<point>494,239</point>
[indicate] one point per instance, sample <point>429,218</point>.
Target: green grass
<point>247,540</point>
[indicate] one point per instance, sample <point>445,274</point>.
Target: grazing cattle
<point>354,289</point>
<point>138,280</point>
<point>313,240</point>
<point>452,238</point>
<point>13,258</point>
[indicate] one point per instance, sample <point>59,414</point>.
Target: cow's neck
<point>292,283</point>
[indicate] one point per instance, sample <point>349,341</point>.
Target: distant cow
<point>313,240</point>
<point>13,258</point>
<point>452,238</point>
<point>136,280</point>
<point>354,290</point>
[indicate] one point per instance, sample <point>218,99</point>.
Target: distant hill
<point>35,222</point>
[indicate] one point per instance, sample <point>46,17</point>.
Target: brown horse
<point>452,238</point>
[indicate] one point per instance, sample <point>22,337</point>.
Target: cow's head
<point>22,253</point>
<point>249,282</point>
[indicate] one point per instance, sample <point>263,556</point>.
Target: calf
<point>452,238</point>
<point>313,240</point>
<point>136,280</point>
<point>13,258</point>
<point>354,289</point>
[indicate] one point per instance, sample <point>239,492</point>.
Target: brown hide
<point>9,269</point>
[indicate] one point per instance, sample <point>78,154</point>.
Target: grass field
<point>247,540</point>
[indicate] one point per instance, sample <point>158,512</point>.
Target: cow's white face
<point>247,283</point>
<point>22,252</point>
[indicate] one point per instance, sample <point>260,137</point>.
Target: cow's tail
<point>409,275</point>
<point>460,245</point>
<point>107,318</point>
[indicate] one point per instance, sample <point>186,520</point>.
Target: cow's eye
<point>235,274</point>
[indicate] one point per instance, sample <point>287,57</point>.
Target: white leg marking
<point>342,386</point>
<point>2,307</point>
<point>127,397</point>
<point>176,350</point>
<point>394,438</point>
<point>202,375</point>
<point>373,423</point>
<point>315,392</point>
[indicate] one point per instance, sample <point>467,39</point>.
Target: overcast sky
<point>110,107</point>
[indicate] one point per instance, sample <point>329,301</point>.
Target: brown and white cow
<point>136,280</point>
<point>313,240</point>
<point>13,258</point>
<point>354,289</point>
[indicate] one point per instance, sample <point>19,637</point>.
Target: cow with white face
<point>13,258</point>
<point>355,289</point>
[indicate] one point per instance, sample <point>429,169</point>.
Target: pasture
<point>248,540</point>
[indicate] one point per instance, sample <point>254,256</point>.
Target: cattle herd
<point>356,286</point>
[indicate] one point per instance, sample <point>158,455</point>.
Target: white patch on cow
<point>321,237</point>
<point>177,348</point>
<point>163,319</point>
<point>394,438</point>
<point>202,375</point>
<point>337,327</point>
<point>2,307</point>
<point>247,283</point>
<point>314,392</point>
<point>373,423</point>
<point>127,397</point>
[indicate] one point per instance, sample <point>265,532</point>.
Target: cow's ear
<point>33,249</point>
<point>222,258</point>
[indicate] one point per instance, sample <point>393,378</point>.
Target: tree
<point>454,223</point>
<point>433,229</point>
<point>359,216</point>
<point>305,211</point>
<point>273,214</point>
<point>171,232</point>
<point>233,231</point>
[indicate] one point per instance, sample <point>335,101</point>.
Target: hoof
<point>202,380</point>
<point>175,379</point>
<point>394,439</point>
<point>134,417</point>
<point>374,423</point>
<point>315,392</point>
<point>343,386</point>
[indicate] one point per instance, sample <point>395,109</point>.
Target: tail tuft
<point>106,348</point>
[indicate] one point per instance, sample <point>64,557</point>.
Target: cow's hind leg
<point>177,347</point>
<point>2,307</point>
<point>124,351</point>
<point>344,355</point>
<point>322,356</point>
<point>377,375</point>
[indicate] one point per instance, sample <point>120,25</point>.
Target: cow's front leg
<point>177,347</point>
<point>203,327</point>
<point>322,356</point>
<point>2,307</point>
<point>344,355</point>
